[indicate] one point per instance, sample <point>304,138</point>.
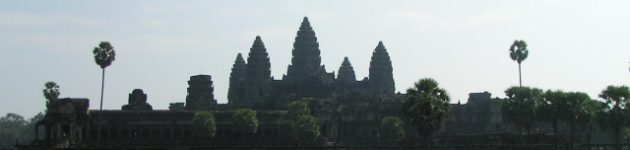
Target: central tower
<point>306,59</point>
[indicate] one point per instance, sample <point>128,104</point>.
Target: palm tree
<point>519,107</point>
<point>597,108</point>
<point>580,111</point>
<point>426,107</point>
<point>551,107</point>
<point>104,56</point>
<point>51,91</point>
<point>615,116</point>
<point>518,53</point>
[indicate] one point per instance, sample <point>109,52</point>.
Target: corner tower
<point>200,93</point>
<point>237,80</point>
<point>258,71</point>
<point>381,72</point>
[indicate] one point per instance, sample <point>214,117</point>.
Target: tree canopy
<point>518,51</point>
<point>519,107</point>
<point>301,126</point>
<point>245,121</point>
<point>14,127</point>
<point>104,54</point>
<point>204,123</point>
<point>427,106</point>
<point>51,91</point>
<point>616,115</point>
<point>551,106</point>
<point>392,129</point>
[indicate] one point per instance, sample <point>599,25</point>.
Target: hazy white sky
<point>574,45</point>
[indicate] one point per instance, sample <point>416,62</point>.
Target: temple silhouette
<point>349,110</point>
<point>251,84</point>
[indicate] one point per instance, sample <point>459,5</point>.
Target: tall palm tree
<point>518,53</point>
<point>104,56</point>
<point>427,107</point>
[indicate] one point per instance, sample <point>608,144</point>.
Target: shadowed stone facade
<point>349,111</point>
<point>200,93</point>
<point>137,101</point>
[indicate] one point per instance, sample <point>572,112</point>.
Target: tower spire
<point>237,79</point>
<point>381,71</point>
<point>258,71</point>
<point>346,71</point>
<point>306,58</point>
<point>305,23</point>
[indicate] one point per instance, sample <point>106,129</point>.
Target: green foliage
<point>10,127</point>
<point>576,109</point>
<point>427,106</point>
<point>615,115</point>
<point>580,108</point>
<point>297,109</point>
<point>245,120</point>
<point>550,105</point>
<point>204,124</point>
<point>29,130</point>
<point>392,129</point>
<point>519,107</point>
<point>518,51</point>
<point>616,96</point>
<point>104,54</point>
<point>301,126</point>
<point>306,129</point>
<point>51,91</point>
<point>14,127</point>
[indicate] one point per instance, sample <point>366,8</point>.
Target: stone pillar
<point>59,131</point>
<point>151,136</point>
<point>37,133</point>
<point>87,131</point>
<point>171,133</point>
<point>80,133</point>
<point>109,132</point>
<point>182,133</point>
<point>51,134</point>
<point>71,131</point>
<point>120,134</point>
<point>129,134</point>
<point>162,133</point>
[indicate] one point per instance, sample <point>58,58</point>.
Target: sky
<point>575,45</point>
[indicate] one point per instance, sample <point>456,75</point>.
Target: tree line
<point>16,129</point>
<point>526,106</point>
<point>298,124</point>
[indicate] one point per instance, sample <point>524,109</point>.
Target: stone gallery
<point>349,111</point>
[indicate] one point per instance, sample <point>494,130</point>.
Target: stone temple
<point>349,110</point>
<point>251,84</point>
